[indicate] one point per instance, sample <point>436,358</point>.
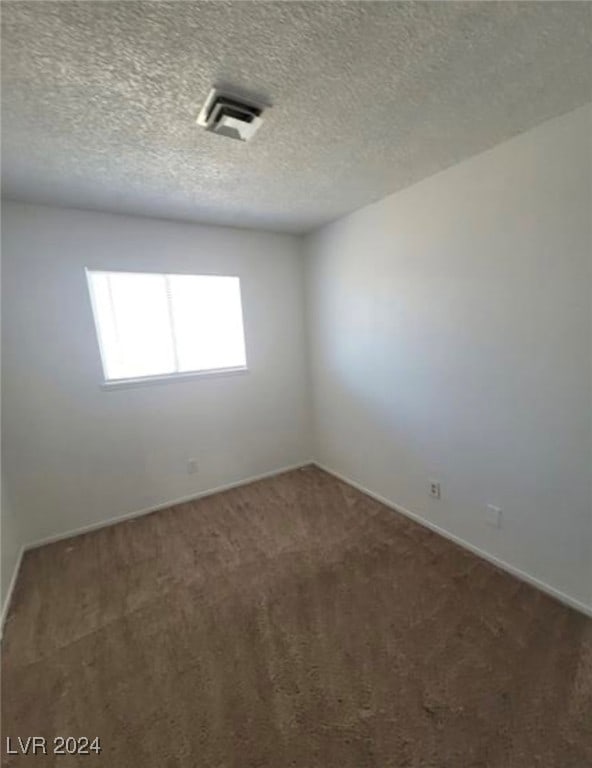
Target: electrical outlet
<point>434,489</point>
<point>192,466</point>
<point>493,516</point>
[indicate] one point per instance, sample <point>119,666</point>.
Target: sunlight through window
<point>157,324</point>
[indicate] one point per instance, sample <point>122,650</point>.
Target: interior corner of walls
<point>139,441</point>
<point>8,589</point>
<point>11,540</point>
<point>309,341</point>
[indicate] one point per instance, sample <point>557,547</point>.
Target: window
<point>164,325</point>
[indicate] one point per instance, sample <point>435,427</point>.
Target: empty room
<point>296,384</point>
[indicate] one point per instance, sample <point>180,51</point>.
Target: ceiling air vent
<point>231,115</point>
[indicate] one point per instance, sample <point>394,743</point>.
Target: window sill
<point>167,377</point>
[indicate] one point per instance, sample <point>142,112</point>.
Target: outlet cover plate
<point>493,516</point>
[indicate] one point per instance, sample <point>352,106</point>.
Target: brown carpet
<point>291,622</point>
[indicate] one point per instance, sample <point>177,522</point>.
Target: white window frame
<point>160,378</point>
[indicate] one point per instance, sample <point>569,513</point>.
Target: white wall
<point>76,454</point>
<point>451,338</point>
<point>10,545</point>
<point>10,549</point>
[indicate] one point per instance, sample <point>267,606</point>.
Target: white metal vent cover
<point>229,114</point>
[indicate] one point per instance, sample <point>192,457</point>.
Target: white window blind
<point>151,324</point>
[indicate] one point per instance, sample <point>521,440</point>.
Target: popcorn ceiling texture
<point>99,100</point>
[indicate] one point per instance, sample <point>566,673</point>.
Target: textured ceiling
<point>99,99</point>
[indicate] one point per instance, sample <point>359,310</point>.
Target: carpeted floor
<point>291,622</point>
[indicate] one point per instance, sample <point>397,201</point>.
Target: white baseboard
<point>9,593</point>
<point>511,569</point>
<point>129,516</point>
<point>533,581</point>
<point>164,505</point>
